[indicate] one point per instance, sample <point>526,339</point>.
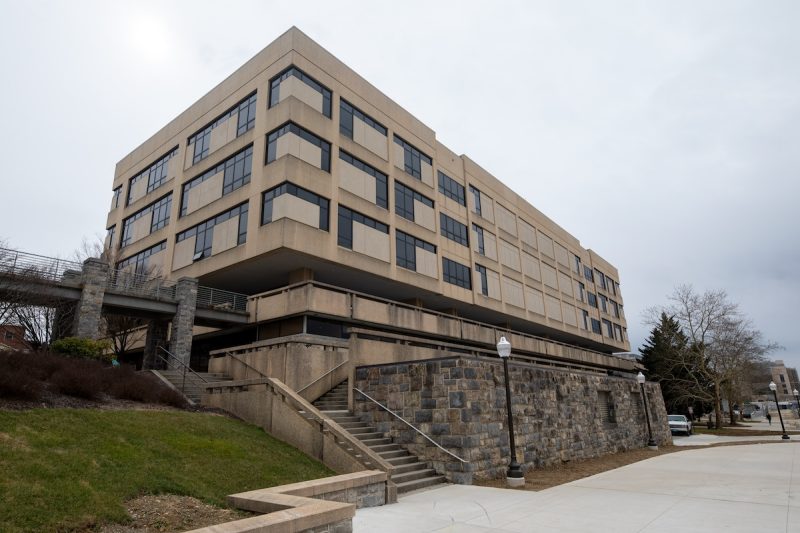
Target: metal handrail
<point>401,419</point>
<point>183,365</point>
<point>16,263</point>
<point>221,299</point>
<point>326,374</point>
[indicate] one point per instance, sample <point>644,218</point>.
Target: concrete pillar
<point>90,306</point>
<point>156,337</point>
<point>301,274</point>
<point>180,343</point>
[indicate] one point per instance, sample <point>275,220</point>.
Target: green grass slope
<point>66,469</point>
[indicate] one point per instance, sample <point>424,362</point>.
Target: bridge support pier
<point>90,307</point>
<point>183,322</point>
<point>156,337</point>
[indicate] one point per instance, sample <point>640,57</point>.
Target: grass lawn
<point>65,469</point>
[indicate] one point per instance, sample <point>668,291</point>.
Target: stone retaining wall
<point>460,403</point>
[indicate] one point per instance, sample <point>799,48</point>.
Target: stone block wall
<point>460,403</point>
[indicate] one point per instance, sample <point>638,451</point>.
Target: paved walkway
<point>734,489</point>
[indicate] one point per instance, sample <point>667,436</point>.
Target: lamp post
<point>514,476</point>
<point>774,388</point>
<point>651,443</point>
<point>797,402</point>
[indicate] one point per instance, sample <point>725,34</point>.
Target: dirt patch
<point>168,513</point>
<point>552,476</point>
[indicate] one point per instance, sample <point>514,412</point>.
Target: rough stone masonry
<point>559,414</point>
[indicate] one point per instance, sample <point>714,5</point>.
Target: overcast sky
<point>663,135</point>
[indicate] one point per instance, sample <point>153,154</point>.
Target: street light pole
<point>514,476</point>
<point>651,443</point>
<point>774,388</point>
<point>797,401</point>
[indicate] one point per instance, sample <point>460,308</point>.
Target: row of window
<point>236,173</point>
<point>200,142</point>
<point>156,175</point>
<point>275,87</point>
<point>381,179</point>
<point>346,113</point>
<point>204,232</point>
<point>347,217</point>
<point>594,275</point>
<point>291,127</point>
<point>158,211</point>
<point>412,158</point>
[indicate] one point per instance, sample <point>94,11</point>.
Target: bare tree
<point>722,345</point>
<point>124,331</point>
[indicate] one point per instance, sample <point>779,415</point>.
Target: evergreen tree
<point>660,351</point>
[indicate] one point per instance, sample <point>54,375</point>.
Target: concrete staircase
<point>409,474</point>
<point>193,388</point>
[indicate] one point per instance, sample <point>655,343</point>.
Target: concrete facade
<point>295,136</point>
<point>785,379</point>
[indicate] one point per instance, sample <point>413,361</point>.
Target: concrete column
<point>301,274</point>
<point>156,336</point>
<point>180,343</point>
<point>90,306</point>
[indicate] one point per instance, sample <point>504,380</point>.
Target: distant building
<point>785,378</point>
<point>12,338</point>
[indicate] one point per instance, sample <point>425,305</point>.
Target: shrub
<point>16,384</point>
<point>83,348</point>
<point>80,379</point>
<point>139,387</point>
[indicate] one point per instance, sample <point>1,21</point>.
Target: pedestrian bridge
<point>94,288</point>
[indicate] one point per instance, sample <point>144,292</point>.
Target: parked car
<point>680,424</point>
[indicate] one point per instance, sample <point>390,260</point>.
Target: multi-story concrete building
<point>295,168</point>
<point>371,253</point>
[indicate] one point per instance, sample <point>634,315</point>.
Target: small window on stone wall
<point>606,406</point>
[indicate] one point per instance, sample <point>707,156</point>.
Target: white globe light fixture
<point>774,389</point>
<point>651,443</point>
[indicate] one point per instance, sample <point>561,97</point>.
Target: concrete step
<point>352,425</point>
<point>417,484</point>
<point>380,448</point>
<point>377,442</point>
<point>347,417</point>
<point>363,430</point>
<point>400,478</point>
<point>402,460</point>
<point>396,453</point>
<point>410,467</point>
<point>364,436</point>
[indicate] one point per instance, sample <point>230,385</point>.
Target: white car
<point>680,424</point>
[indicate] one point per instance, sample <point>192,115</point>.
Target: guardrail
<point>404,421</point>
<point>192,374</point>
<point>39,267</point>
<point>128,282</point>
<point>219,299</point>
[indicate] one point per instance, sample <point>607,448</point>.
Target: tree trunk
<point>717,406</point>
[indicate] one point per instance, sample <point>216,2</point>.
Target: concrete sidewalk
<point>750,488</point>
<point>704,439</point>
